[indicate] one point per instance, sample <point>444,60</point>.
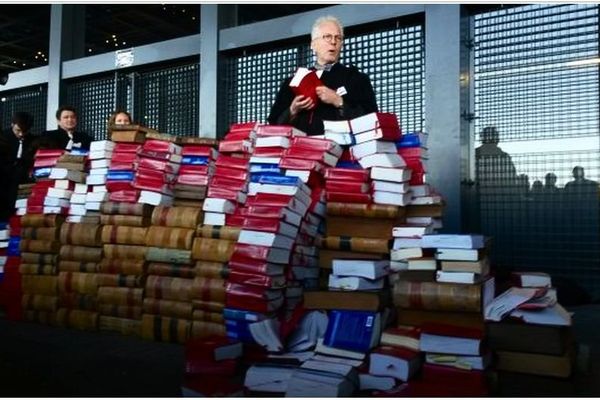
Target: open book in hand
<point>304,83</point>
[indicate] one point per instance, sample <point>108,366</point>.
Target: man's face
<point>327,51</point>
<point>67,120</point>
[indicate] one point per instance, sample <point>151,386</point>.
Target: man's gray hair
<point>328,18</point>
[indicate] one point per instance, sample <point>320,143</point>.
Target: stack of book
<point>412,146</point>
<point>271,142</point>
<point>349,185</point>
<point>195,171</point>
<point>39,248</point>
<point>409,260</point>
<point>100,156</point>
<point>69,170</point>
<point>44,160</point>
<point>78,277</point>
<point>533,334</point>
<point>121,173</point>
<point>24,191</point>
<point>157,167</point>
<point>10,281</point>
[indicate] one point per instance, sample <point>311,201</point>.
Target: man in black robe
<point>347,93</point>
<point>67,136</point>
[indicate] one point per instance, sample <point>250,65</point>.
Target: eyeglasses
<point>329,38</point>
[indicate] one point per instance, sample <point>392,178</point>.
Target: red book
<point>196,169</point>
<point>240,263</point>
<point>304,153</point>
<point>305,82</point>
<point>225,160</point>
<point>204,366</point>
<point>313,143</point>
<point>233,173</point>
<point>253,298</point>
<point>417,178</point>
<point>347,156</point>
<point>212,348</point>
<point>453,381</point>
<point>126,196</point>
<point>40,162</point>
<point>154,174</point>
<point>161,146</point>
<point>412,152</point>
<point>347,186</point>
<point>235,146</point>
<point>153,185</point>
<point>278,130</point>
<point>115,186</point>
<point>218,192</point>
<point>344,197</point>
<point>224,182</point>
<point>415,164</point>
<point>278,212</point>
<point>347,174</point>
<point>267,152</point>
<point>398,362</point>
<point>14,222</point>
<point>264,253</point>
<point>160,155</point>
<point>372,121</point>
<point>53,153</point>
<point>123,158</point>
<point>192,179</point>
<point>234,220</point>
<point>160,165</point>
<point>273,225</point>
<point>255,279</point>
<point>126,148</point>
<point>199,151</point>
<point>301,164</point>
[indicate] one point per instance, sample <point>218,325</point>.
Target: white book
<point>272,141</point>
<point>341,126</point>
<point>553,315</point>
<point>155,198</point>
<point>74,219</point>
<point>411,231</point>
<point>71,175</point>
<point>391,174</point>
<point>98,171</point>
<point>302,174</point>
<point>102,145</point>
<point>95,197</point>
<point>420,190</point>
<point>78,198</point>
<point>387,160</point>
<point>405,253</point>
<point>458,254</point>
<point>99,189</point>
<point>264,160</point>
<point>93,205</point>
<point>296,191</point>
<point>265,239</point>
<point>63,184</point>
<point>343,139</point>
<point>80,188</point>
<point>456,277</point>
<point>53,210</point>
<point>372,134</point>
<point>214,218</point>
<point>215,205</point>
<point>373,147</point>
<point>21,203</point>
<point>454,241</point>
<point>96,180</point>
<point>354,283</point>
<point>100,163</point>
<point>397,265</point>
<point>268,378</point>
<point>21,211</point>
<point>366,122</point>
<point>396,199</point>
<point>426,200</point>
<point>394,187</point>
<point>370,269</point>
<point>100,154</point>
<point>421,220</point>
<point>337,360</point>
<point>59,193</point>
<point>55,202</point>
<point>4,234</point>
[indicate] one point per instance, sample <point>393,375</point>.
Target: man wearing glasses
<point>347,93</point>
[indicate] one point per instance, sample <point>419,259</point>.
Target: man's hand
<point>300,103</point>
<point>329,96</point>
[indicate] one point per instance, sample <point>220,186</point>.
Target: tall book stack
<point>10,281</point>
<point>169,294</point>
<point>158,163</point>
<point>121,173</point>
<point>123,237</point>
<point>412,147</point>
<point>449,311</point>
<point>39,248</point>
<point>409,261</point>
<point>69,170</point>
<point>23,193</point>
<point>99,159</point>
<point>78,276</point>
<point>195,171</point>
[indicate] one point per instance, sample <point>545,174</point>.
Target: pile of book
<point>10,278</point>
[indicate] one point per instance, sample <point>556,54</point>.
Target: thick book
<point>373,121</point>
<point>265,253</point>
<point>346,174</point>
<point>459,254</point>
<point>386,160</point>
<point>326,256</point>
<point>397,362</point>
<point>347,186</point>
<point>278,130</point>
<point>353,330</point>
<point>365,210</point>
<point>365,227</point>
<point>370,269</point>
<point>476,362</point>
<point>339,300</point>
<point>322,379</point>
<point>304,83</point>
<point>358,244</point>
<point>557,366</point>
<point>450,339</point>
<point>268,239</point>
<point>268,379</point>
<point>392,198</point>
<point>457,277</point>
<point>317,144</point>
<point>481,267</point>
<point>417,318</point>
<point>412,231</point>
<point>372,147</point>
<point>402,336</point>
<point>453,241</point>
<point>212,348</point>
<point>527,279</point>
<point>354,283</point>
<point>517,336</point>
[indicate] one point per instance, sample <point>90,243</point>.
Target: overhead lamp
<point>3,77</point>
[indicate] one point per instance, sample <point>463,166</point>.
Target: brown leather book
<point>330,300</point>
<point>530,338</point>
<point>39,302</point>
<point>197,196</point>
<point>182,202</point>
<point>425,210</point>
<point>172,238</point>
<point>77,300</point>
<point>50,234</point>
<point>115,234</point>
<point>414,317</point>
<point>37,269</point>
<point>129,220</point>
<point>199,140</point>
<point>209,306</point>
<point>201,315</point>
<point>77,266</point>
<point>120,295</point>
<point>171,269</point>
<point>40,317</point>
<point>212,249</point>
<point>80,234</point>
<point>120,311</point>
<point>39,246</point>
<point>559,366</point>
<point>41,220</point>
<point>326,257</point>
<point>358,244</point>
<point>165,137</point>
<point>218,232</point>
<point>168,308</point>
<point>177,217</point>
<point>202,329</point>
<point>120,208</point>
<point>122,266</point>
<point>124,326</point>
<point>209,289</point>
<point>130,136</point>
<point>77,319</point>
<point>378,228</point>
<point>132,127</point>
<point>364,210</point>
<point>78,282</point>
<point>174,256</point>
<point>40,284</point>
<point>38,258</point>
<point>165,329</point>
<point>80,253</point>
<point>121,280</point>
<point>168,288</point>
<point>211,269</point>
<point>125,251</point>
<point>444,296</point>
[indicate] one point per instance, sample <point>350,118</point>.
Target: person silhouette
<point>579,184</point>
<point>550,184</point>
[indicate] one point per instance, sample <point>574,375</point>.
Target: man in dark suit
<point>67,136</point>
<point>347,93</point>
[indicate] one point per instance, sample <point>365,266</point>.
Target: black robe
<point>13,170</point>
<point>58,139</point>
<point>359,100</point>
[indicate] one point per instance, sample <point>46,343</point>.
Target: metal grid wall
<point>392,56</point>
<point>32,100</point>
<point>536,81</point>
<point>166,99</point>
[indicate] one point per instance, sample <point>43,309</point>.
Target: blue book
<point>348,164</point>
<point>411,139</point>
<point>267,169</point>
<point>79,152</point>
<point>276,180</point>
<point>14,248</point>
<point>3,225</point>
<point>120,176</point>
<point>242,315</point>
<point>194,160</point>
<point>353,330</point>
<point>42,172</point>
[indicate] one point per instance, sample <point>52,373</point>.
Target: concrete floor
<point>41,361</point>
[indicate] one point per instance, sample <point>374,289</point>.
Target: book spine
<point>202,329</point>
<point>80,253</point>
<point>210,306</point>
<point>171,269</point>
<point>77,266</point>
<point>120,295</point>
<point>173,238</point>
<point>437,296</point>
<point>50,234</point>
<point>168,308</point>
<point>114,310</point>
<point>119,208</point>
<point>77,319</point>
<point>131,235</point>
<point>121,280</point>
<point>37,269</point>
<point>212,249</point>
<point>124,326</point>
<point>120,266</point>
<point>174,256</point>
<point>209,269</point>
<point>80,234</point>
<point>40,317</point>
<point>39,246</point>
<point>39,302</point>
<point>209,289</point>
<point>78,282</point>
<point>129,220</point>
<point>167,288</point>
<point>165,329</point>
<point>201,315</point>
<point>176,217</point>
<point>348,243</point>
<point>77,300</point>
<point>38,258</point>
<point>124,251</point>
<point>218,232</point>
<point>41,220</point>
<point>364,210</point>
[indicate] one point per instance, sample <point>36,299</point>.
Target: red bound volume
<point>232,162</point>
<point>411,152</point>
<point>49,153</point>
<point>264,253</point>
<point>235,146</point>
<point>253,298</point>
<point>469,379</point>
<point>203,366</point>
<point>254,279</point>
<point>232,173</point>
<point>212,348</point>
<point>234,220</point>
<point>45,162</point>
<point>223,193</point>
<point>160,155</point>
<point>122,166</point>
<point>301,164</point>
<point>348,174</point>
<point>196,169</point>
<point>417,178</point>
<point>313,143</point>
<point>278,130</point>
<point>115,186</point>
<point>273,225</point>
<point>193,179</point>
<point>228,183</point>
<point>373,121</point>
<point>268,152</point>
<point>305,82</point>
<point>239,263</point>
<point>199,151</point>
<point>35,209</point>
<point>347,156</point>
<point>152,185</point>
<point>161,146</point>
<point>304,153</point>
<point>126,148</point>
<point>160,165</point>
<point>126,196</point>
<point>154,174</point>
<point>347,186</point>
<point>343,197</point>
<point>415,164</point>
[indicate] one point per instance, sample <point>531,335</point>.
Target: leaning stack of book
<point>412,147</point>
<point>157,167</point>
<point>195,171</point>
<point>39,248</point>
<point>78,277</point>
